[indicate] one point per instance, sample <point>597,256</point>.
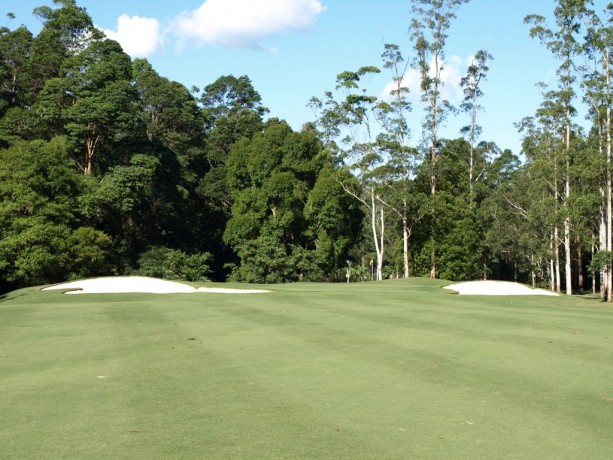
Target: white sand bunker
<point>126,284</point>
<point>496,288</point>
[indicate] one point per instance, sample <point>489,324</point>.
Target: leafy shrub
<point>167,263</point>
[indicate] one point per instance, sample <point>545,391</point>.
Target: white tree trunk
<point>552,276</point>
<point>609,191</point>
<point>377,236</point>
<point>567,257</point>
<point>433,147</point>
<point>602,246</point>
<point>594,274</point>
<point>556,246</point>
<point>405,247</point>
<point>567,246</point>
<point>471,168</point>
<point>381,242</point>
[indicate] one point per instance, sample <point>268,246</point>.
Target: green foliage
<point>173,264</point>
<point>228,96</point>
<point>266,259</point>
<point>460,252</point>
<point>40,237</point>
<point>169,111</point>
<point>34,252</point>
<point>88,253</point>
<point>143,204</point>
<point>290,220</point>
<point>67,30</point>
<point>15,48</point>
<point>336,219</point>
<point>601,261</point>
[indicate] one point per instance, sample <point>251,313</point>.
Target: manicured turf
<point>396,370</point>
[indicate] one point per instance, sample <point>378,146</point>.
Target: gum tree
<point>597,87</point>
<point>429,30</point>
<point>476,73</point>
<point>562,41</point>
<point>392,114</point>
<point>348,124</point>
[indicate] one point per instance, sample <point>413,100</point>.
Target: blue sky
<point>293,49</point>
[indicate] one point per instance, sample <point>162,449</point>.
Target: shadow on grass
<point>592,300</point>
<point>7,297</point>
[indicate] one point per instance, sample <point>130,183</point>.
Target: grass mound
<point>391,370</point>
<point>142,284</point>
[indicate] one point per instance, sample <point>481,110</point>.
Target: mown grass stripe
<point>391,370</point>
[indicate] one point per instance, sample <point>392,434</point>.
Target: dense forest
<point>108,168</point>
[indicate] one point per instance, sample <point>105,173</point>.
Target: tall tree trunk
<point>484,267</point>
<point>602,236</point>
<point>471,168</point>
<point>433,264</point>
<point>567,229</point>
<point>433,127</point>
<point>556,237</point>
<point>595,274</point>
<point>405,246</point>
<point>609,185</point>
<point>579,268</point>
<point>552,274</point>
<point>377,235</point>
<point>568,257</point>
<point>381,242</point>
<point>90,148</point>
<point>433,148</point>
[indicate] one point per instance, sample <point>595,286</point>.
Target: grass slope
<point>394,370</point>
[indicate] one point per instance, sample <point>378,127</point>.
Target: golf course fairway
<point>391,370</point>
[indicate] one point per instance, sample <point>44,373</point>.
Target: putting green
<point>400,369</point>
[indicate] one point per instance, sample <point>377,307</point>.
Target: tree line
<point>107,167</point>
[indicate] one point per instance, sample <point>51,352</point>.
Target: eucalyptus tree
<point>563,43</point>
<point>519,224</point>
<point>392,114</point>
<point>543,147</point>
<point>597,87</point>
<point>587,206</point>
<point>429,31</point>
<point>348,121</point>
<point>476,73</point>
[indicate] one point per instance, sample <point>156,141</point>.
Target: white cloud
<point>138,36</point>
<point>451,75</point>
<point>243,23</point>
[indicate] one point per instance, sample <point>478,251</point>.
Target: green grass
<point>395,370</point>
